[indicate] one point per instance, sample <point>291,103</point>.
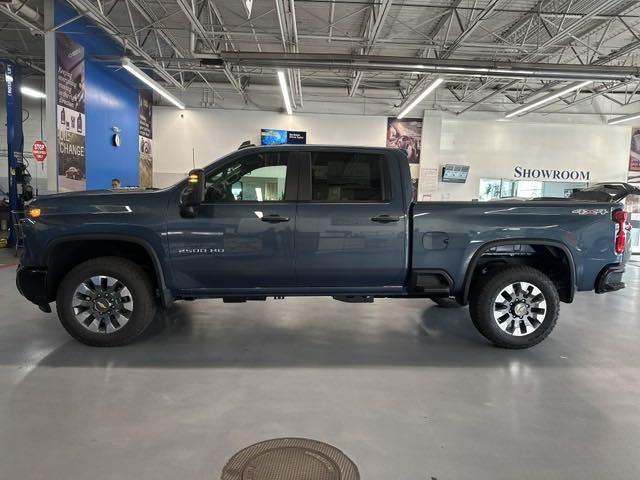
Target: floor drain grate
<point>290,459</point>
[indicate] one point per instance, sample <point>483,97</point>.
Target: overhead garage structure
<point>372,56</point>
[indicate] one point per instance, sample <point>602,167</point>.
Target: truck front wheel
<point>515,307</point>
<point>106,302</point>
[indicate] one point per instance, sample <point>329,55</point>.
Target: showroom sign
<point>550,174</point>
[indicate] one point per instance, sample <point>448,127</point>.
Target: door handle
<point>385,219</point>
<point>274,219</point>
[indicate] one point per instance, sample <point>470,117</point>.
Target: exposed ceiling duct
<point>425,66</point>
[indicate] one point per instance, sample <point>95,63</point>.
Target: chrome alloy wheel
<point>102,304</point>
<point>519,309</point>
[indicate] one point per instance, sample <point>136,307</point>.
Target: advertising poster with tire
<point>70,118</point>
<point>633,174</point>
<point>406,134</point>
<point>145,142</point>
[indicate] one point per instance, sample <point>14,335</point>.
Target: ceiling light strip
<point>421,97</point>
<point>547,98</point>
<point>32,92</point>
<point>143,77</point>
<point>624,118</point>
<point>285,91</point>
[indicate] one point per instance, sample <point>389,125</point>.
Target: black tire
<point>484,296</point>
<point>444,302</point>
<point>126,272</point>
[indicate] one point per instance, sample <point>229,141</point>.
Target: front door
<point>242,237</point>
<point>351,231</point>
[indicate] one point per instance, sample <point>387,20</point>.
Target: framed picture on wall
<point>405,134</point>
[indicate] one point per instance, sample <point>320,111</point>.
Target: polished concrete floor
<point>405,389</point>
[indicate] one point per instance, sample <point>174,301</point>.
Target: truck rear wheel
<point>515,307</point>
<point>106,302</point>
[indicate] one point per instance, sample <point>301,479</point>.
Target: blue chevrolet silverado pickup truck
<point>316,221</point>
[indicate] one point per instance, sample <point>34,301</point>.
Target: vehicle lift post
<point>15,139</point>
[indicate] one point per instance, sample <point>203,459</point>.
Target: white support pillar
<point>429,153</point>
<point>50,124</point>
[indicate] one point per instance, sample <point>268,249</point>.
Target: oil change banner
<point>70,120</point>
<point>145,142</point>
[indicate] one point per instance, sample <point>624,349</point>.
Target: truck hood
<point>95,201</point>
<point>93,193</point>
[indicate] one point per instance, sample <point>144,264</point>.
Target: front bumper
<point>610,278</point>
<point>32,284</point>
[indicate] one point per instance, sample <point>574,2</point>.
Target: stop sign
<point>39,150</point>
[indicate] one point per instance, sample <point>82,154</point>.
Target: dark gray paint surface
<point>324,248</point>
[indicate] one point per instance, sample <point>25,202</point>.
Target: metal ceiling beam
<point>93,12</point>
<point>204,37</point>
<point>561,34</point>
<point>470,29</point>
<point>375,21</point>
<point>6,9</point>
<point>420,84</point>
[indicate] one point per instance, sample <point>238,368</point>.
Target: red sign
<point>39,150</point>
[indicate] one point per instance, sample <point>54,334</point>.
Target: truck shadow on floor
<point>185,336</point>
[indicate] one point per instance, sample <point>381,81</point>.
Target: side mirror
<point>193,193</point>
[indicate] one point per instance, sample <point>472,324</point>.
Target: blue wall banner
<point>70,119</point>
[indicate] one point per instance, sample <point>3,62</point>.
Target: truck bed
<point>451,234</point>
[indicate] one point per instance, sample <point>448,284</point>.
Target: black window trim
<point>305,183</point>
<point>291,180</point>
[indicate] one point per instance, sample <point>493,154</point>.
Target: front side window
<point>256,178</point>
<point>347,177</point>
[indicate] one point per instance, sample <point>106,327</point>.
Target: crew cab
<point>305,220</point>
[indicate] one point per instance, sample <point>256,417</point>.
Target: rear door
<point>351,227</point>
<point>242,237</point>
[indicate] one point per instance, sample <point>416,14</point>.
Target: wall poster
<point>70,120</point>
<point>632,203</point>
<point>406,134</point>
<point>145,142</point>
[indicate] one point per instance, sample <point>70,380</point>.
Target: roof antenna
<point>193,157</point>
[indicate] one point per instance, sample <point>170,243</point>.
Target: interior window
<point>347,177</point>
<point>256,178</point>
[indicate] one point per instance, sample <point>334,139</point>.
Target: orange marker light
<point>33,212</point>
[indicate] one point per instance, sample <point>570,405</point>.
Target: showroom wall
<point>494,149</point>
<point>490,147</point>
<point>207,134</point>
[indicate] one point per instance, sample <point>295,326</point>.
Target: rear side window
<point>348,177</point>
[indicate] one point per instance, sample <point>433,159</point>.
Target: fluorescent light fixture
<point>143,77</point>
<point>285,91</point>
<point>32,92</point>
<point>421,97</point>
<point>547,98</point>
<point>624,118</point>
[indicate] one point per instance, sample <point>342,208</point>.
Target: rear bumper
<point>610,278</point>
<point>32,284</point>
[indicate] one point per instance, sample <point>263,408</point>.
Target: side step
<point>243,299</point>
<point>354,298</point>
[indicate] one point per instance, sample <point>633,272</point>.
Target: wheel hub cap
<point>102,304</point>
<point>519,309</point>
